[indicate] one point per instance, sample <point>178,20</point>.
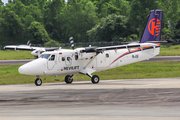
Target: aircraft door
<point>103,60</point>
<point>51,62</point>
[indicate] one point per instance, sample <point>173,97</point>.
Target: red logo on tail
<point>152,27</point>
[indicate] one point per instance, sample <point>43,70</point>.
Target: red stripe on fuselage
<point>132,51</point>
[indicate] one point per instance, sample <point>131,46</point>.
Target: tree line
<point>54,21</point>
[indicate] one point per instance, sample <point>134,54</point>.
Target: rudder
<point>153,28</point>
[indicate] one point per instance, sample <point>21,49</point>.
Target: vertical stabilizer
<point>153,28</point>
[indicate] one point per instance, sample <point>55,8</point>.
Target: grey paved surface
<point>164,58</point>
<point>124,99</point>
<point>14,62</point>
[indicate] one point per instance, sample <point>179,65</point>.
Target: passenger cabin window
<point>68,58</point>
<point>76,55</point>
<point>107,55</point>
<point>63,58</point>
<point>52,58</point>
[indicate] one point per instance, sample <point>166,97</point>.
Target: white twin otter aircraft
<point>94,59</point>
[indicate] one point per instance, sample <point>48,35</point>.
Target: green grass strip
<point>10,75</point>
<point>15,55</point>
<point>172,50</point>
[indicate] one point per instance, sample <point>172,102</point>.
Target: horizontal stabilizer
<point>164,41</point>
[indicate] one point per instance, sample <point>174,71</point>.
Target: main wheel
<point>38,82</point>
<point>68,79</point>
<point>95,79</point>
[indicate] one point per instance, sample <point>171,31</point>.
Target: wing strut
<point>88,71</point>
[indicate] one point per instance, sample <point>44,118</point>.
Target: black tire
<point>38,82</point>
<point>95,79</point>
<point>68,79</point>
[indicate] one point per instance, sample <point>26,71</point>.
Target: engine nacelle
<point>80,54</point>
<point>38,52</point>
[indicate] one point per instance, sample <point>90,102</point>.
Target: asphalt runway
<point>123,99</point>
<point>14,62</point>
<point>164,58</point>
<point>155,59</point>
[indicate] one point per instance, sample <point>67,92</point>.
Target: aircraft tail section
<point>153,28</point>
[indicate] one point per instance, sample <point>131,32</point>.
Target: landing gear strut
<point>94,79</point>
<point>38,82</point>
<point>69,79</point>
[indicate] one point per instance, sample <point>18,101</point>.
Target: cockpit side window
<point>46,56</point>
<point>52,58</point>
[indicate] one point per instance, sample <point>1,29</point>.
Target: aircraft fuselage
<point>74,62</point>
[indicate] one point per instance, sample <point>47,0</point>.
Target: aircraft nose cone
<point>35,67</point>
<point>22,70</point>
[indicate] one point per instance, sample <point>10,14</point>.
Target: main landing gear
<point>94,79</point>
<point>69,79</point>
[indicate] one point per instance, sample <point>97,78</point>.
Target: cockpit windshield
<point>46,56</point>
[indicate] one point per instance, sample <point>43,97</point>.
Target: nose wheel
<point>38,82</point>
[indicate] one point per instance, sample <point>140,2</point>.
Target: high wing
<point>163,41</point>
<point>10,47</point>
<point>34,48</point>
<point>26,47</point>
<point>129,46</point>
<point>20,47</point>
<point>36,51</point>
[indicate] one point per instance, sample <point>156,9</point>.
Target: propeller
<point>71,42</point>
<point>29,43</point>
